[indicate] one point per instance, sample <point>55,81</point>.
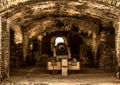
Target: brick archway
<point>27,13</point>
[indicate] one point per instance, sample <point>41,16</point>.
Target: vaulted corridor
<point>70,39</point>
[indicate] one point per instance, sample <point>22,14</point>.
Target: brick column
<point>4,48</point>
<point>94,38</point>
<point>0,48</point>
<point>25,46</point>
<point>117,40</point>
<point>40,37</point>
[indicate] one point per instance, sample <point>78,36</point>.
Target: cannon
<point>61,60</point>
<point>61,49</point>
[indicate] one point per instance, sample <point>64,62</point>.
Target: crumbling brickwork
<point>106,49</point>
<point>4,49</point>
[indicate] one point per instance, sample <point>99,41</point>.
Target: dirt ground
<point>40,76</point>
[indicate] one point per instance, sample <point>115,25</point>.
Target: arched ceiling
<point>51,24</point>
<point>26,14</point>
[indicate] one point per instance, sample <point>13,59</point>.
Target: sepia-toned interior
<point>29,30</point>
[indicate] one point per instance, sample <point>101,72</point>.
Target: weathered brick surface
<point>106,51</point>
<point>4,50</point>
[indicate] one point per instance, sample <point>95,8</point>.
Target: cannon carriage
<point>61,59</point>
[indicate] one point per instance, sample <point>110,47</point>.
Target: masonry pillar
<point>4,48</point>
<point>0,48</point>
<point>117,46</point>
<point>25,46</point>
<point>117,40</point>
<point>40,37</point>
<point>94,38</point>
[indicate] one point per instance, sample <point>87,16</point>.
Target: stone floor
<point>40,76</point>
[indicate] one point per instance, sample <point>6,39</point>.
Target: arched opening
<point>16,52</point>
<point>59,40</point>
<point>82,44</point>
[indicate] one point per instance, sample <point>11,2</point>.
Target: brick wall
<point>106,51</point>
<point>4,57</point>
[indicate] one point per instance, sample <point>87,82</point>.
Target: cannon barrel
<point>61,49</point>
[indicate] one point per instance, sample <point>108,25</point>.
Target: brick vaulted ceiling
<point>30,14</point>
<point>30,11</point>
